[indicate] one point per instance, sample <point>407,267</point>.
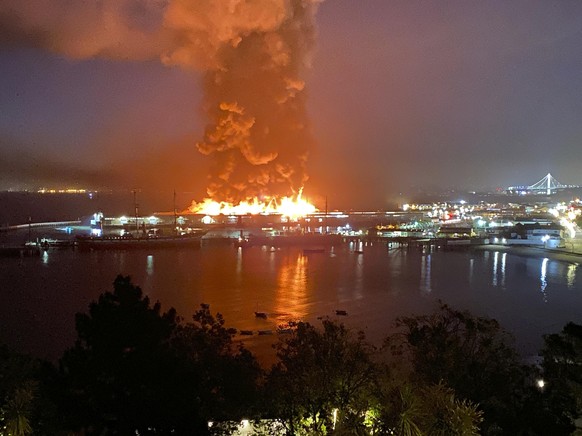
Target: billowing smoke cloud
<point>252,52</point>
<point>117,29</point>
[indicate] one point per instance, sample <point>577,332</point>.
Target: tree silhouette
<point>473,356</point>
<point>120,371</point>
<point>562,375</point>
<point>323,380</point>
<point>26,400</point>
<point>429,410</point>
<point>136,369</point>
<point>223,374</point>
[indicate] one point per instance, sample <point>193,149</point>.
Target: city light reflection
<point>503,260</point>
<point>571,275</point>
<point>359,279</point>
<point>495,264</point>
<point>544,282</point>
<point>150,265</point>
<point>425,273</point>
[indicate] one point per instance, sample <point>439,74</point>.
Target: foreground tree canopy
<point>135,369</point>
<point>474,357</point>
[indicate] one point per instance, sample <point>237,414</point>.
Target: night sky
<point>400,95</point>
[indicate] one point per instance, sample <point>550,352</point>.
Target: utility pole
<point>136,207</point>
<point>175,222</point>
<point>326,214</point>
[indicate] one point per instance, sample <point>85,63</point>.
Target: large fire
<point>291,207</point>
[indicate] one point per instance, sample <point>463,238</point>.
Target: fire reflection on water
<point>239,257</point>
<point>291,299</point>
<point>425,274</point>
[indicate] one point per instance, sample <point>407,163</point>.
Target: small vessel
<point>341,312</point>
<point>309,240</point>
<point>20,251</point>
<point>46,243</point>
<point>262,315</point>
<point>128,242</point>
<point>265,332</point>
<point>246,332</point>
<point>287,328</point>
<point>140,239</point>
<point>313,250</point>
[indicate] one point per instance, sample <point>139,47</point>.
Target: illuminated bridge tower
<point>548,184</point>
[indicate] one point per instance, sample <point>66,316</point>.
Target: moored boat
<point>128,242</point>
<point>313,250</point>
<point>19,251</point>
<point>309,241</point>
<point>265,332</point>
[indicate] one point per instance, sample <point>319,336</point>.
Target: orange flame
<point>287,206</point>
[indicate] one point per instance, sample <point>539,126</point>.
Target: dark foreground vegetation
<point>137,370</point>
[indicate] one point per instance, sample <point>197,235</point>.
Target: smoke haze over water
<point>252,54</point>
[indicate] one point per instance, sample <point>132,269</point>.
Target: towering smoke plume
<point>252,53</point>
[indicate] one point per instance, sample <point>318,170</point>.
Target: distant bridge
<point>547,184</point>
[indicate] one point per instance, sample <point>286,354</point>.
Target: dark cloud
<point>117,29</point>
<point>25,168</point>
<point>14,34</point>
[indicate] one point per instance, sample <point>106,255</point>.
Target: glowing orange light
<point>286,206</point>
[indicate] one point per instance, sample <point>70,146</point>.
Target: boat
<point>309,240</point>
<point>341,312</point>
<point>20,251</point>
<point>47,243</point>
<point>313,250</point>
<point>129,242</point>
<point>246,332</point>
<point>141,239</point>
<point>265,332</point>
<point>262,315</point>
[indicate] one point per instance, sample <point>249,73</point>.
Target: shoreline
<point>537,252</point>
